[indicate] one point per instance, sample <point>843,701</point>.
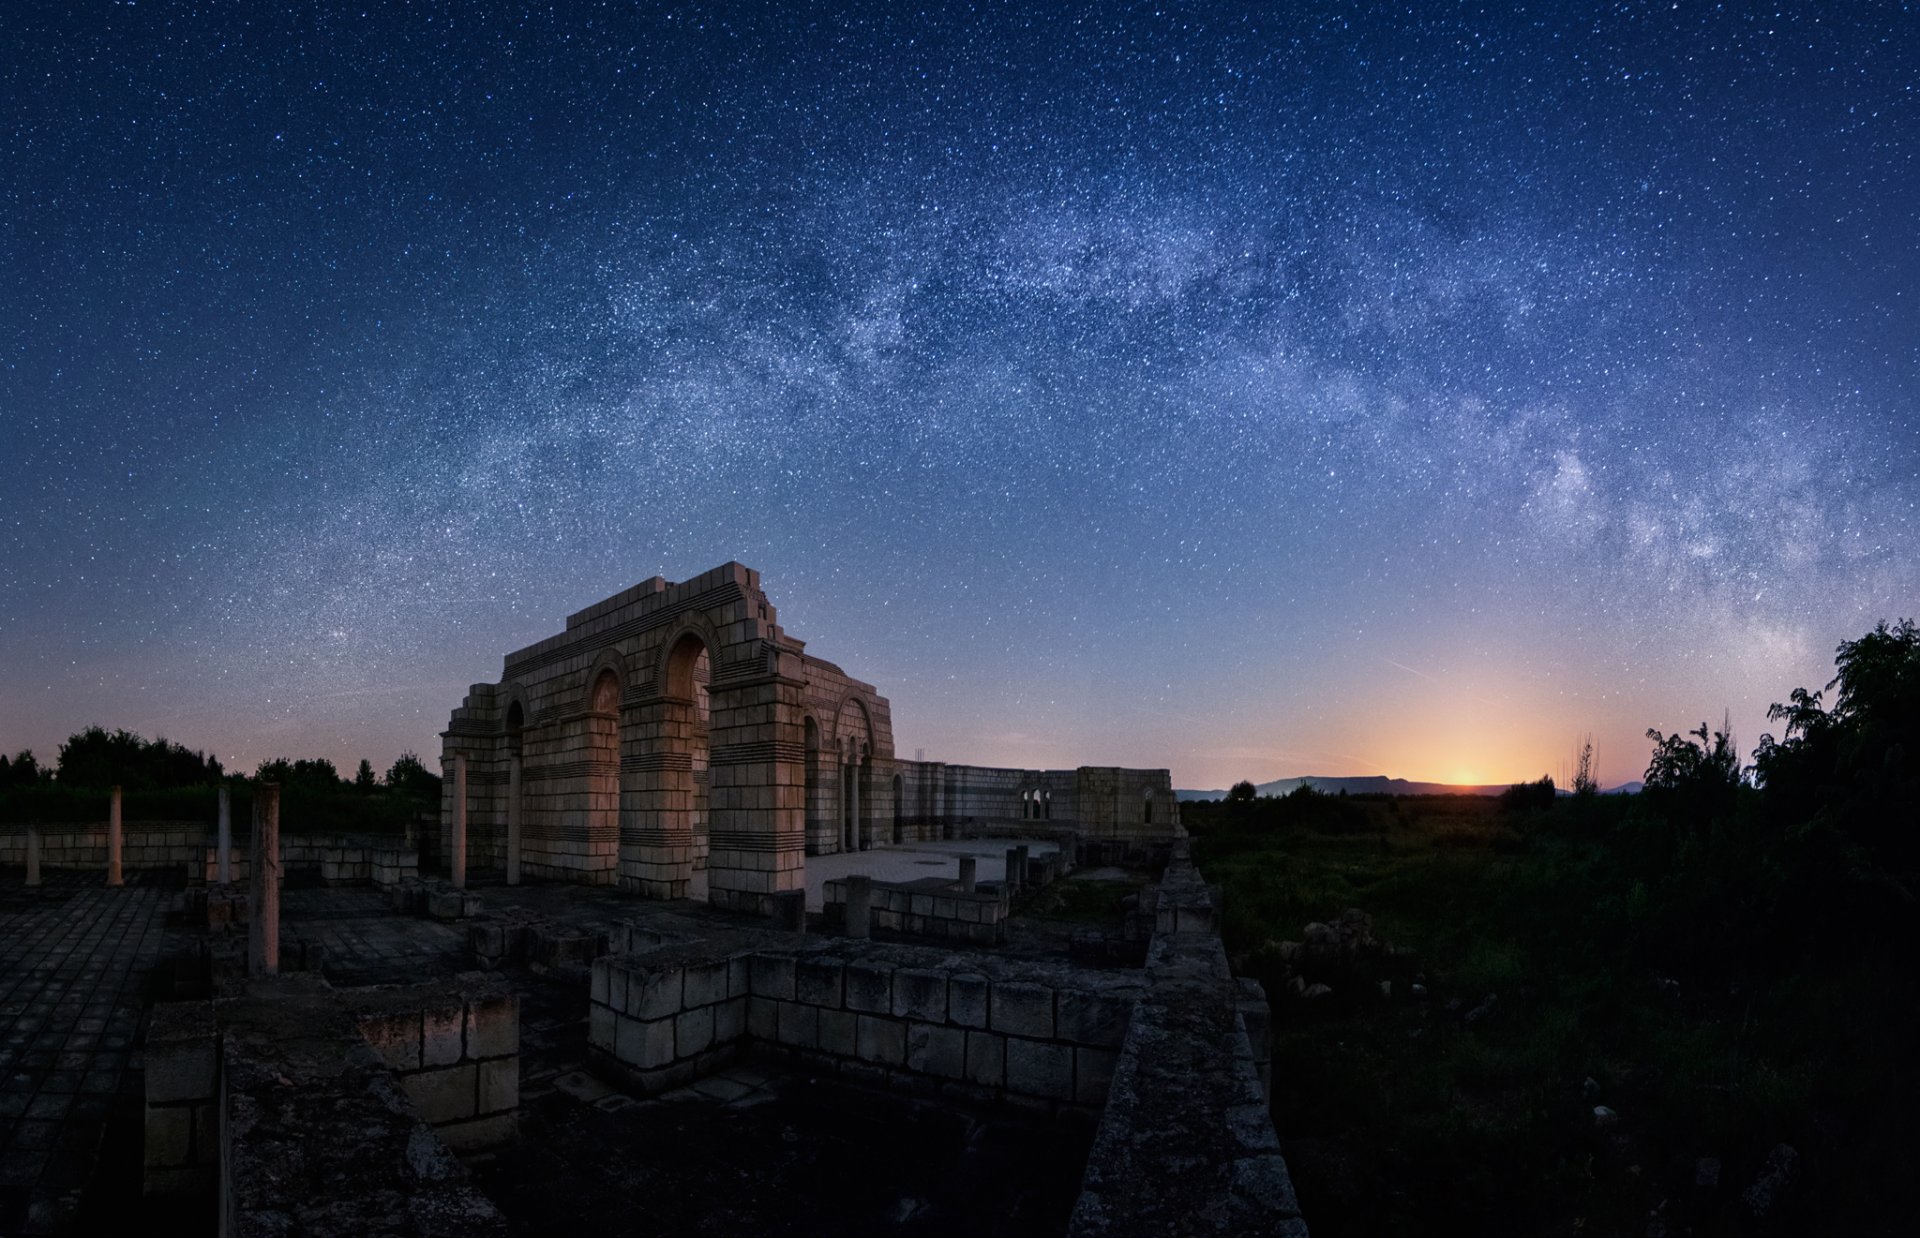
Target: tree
<point>1241,792</point>
<point>363,780</point>
<point>1696,775</point>
<point>1535,796</point>
<point>1585,784</point>
<point>409,777</point>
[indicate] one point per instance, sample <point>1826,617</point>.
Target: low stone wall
<point>143,844</point>
<point>455,1047</point>
<point>929,907</point>
<point>299,1126</point>
<point>1186,1145</point>
<point>336,859</point>
<point>1032,1034</point>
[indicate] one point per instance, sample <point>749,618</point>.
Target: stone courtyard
<point>686,947</point>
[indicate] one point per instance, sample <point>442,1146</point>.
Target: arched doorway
<point>603,762</point>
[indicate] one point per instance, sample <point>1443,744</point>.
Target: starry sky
<point>1249,390</point>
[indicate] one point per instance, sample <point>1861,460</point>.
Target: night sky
<point>1251,391</point>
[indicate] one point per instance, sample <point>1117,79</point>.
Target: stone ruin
<point>333,1063</point>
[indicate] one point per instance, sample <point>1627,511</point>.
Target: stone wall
<point>455,1047</point>
<point>928,908</point>
<point>334,858</point>
<point>986,1029</point>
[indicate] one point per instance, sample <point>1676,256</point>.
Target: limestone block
<point>1092,1018</point>
<point>838,1032</point>
<point>1037,1069</point>
<point>817,982</point>
<point>600,1026</point>
<point>169,1137</point>
<point>967,999</point>
<point>493,1026</point>
<point>656,993</point>
<point>798,1025</point>
<point>706,983</point>
<point>441,1036</point>
<point>987,1059</point>
<point>477,1133</point>
<point>445,1095</point>
<point>645,1044</point>
<point>395,1036</point>
<point>499,1085</point>
<point>869,987</point>
<point>1022,1010</point>
<point>763,1018</point>
<point>693,1031</point>
<point>181,1065</point>
<point>881,1041</point>
<point>935,1050</point>
<point>730,1020</point>
<point>773,976</point>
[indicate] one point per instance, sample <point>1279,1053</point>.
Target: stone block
<point>655,993</point>
<point>445,1095</point>
<point>739,976</point>
<point>499,1085</point>
<point>601,1022</point>
<point>1093,1074</point>
<point>798,1025</point>
<point>986,1059</point>
<point>493,1026</point>
<point>1022,1010</point>
<point>706,983</point>
<point>838,1032</point>
<point>881,1041</point>
<point>817,982</point>
<point>1092,1018</point>
<point>920,994</point>
<point>1036,1069</point>
<point>645,1044</point>
<point>935,1050</point>
<point>773,976</point>
<point>869,987</point>
<point>183,1069</point>
<point>169,1136</point>
<point>693,1031</point>
<point>967,999</point>
<point>763,1018</point>
<point>442,1036</point>
<point>730,1020</point>
<point>394,1035</point>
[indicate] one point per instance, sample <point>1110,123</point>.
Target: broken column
<point>33,855</point>
<point>1016,869</point>
<point>113,840</point>
<point>263,931</point>
<point>968,868</point>
<point>459,861</point>
<point>859,906</point>
<point>223,841</point>
<point>790,910</point>
<point>1026,874</point>
<point>513,820</point>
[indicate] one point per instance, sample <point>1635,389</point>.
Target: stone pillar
<point>1016,869</point>
<point>968,866</point>
<point>1025,877</point>
<point>757,799</point>
<point>859,906</point>
<point>853,798</point>
<point>513,820</point>
<point>114,877</point>
<point>263,928</point>
<point>33,855</point>
<point>459,861</point>
<point>223,844</point>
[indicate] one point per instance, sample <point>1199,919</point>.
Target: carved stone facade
<point>676,726</point>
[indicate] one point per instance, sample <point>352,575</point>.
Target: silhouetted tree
<point>410,777</point>
<point>1694,777</point>
<point>363,779</point>
<point>1535,796</point>
<point>1241,793</point>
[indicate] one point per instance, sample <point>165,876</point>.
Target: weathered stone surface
<point>1019,1009</point>
<point>920,994</point>
<point>934,1050</point>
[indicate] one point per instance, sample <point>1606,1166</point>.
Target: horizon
<point>1205,390</point>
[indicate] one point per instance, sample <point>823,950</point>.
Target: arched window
<point>1146,808</point>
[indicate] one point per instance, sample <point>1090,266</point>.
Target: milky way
<point>1252,392</point>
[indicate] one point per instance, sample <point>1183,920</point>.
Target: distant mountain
<point>1379,784</point>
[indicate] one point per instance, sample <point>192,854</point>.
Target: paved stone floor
<point>76,959</point>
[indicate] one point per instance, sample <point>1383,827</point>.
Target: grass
<point>1402,1117</point>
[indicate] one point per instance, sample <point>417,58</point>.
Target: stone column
<point>263,912</point>
<point>859,839</point>
<point>459,861</point>
<point>114,877</point>
<point>859,906</point>
<point>1016,869</point>
<point>33,855</point>
<point>223,843</point>
<point>513,820</point>
<point>1026,877</point>
<point>968,867</point>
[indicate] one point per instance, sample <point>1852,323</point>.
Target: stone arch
<point>853,731</point>
<point>599,811</point>
<point>819,792</point>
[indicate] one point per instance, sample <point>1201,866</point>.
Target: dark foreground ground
<point>754,1150</point>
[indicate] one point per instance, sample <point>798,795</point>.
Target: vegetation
<point>1719,964</point>
<point>164,781</point>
